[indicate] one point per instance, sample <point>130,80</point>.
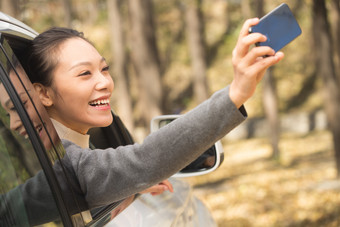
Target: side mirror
<point>210,160</point>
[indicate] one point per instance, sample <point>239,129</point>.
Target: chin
<point>105,122</point>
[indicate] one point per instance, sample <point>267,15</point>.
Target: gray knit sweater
<point>109,175</point>
<point>101,177</point>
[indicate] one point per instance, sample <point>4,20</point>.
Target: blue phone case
<point>279,26</point>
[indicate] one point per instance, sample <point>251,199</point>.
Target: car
<point>34,186</point>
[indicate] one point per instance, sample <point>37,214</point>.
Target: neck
<point>67,133</point>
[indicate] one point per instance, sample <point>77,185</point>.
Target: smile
<point>102,102</point>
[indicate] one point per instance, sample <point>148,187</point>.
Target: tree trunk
<point>336,10</point>
<point>270,103</point>
<point>10,7</point>
<point>145,57</point>
<point>296,8</point>
<point>259,8</point>
<point>94,10</point>
<point>245,9</point>
<point>197,46</point>
<point>68,13</point>
<point>118,45</point>
<point>325,68</point>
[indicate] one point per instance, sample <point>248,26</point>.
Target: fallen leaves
<point>249,189</point>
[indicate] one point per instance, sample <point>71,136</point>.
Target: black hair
<point>42,57</point>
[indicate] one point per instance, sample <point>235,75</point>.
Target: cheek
<point>13,118</point>
<point>65,95</point>
<point>112,84</point>
<point>32,114</point>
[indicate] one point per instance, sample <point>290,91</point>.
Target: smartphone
<point>279,26</point>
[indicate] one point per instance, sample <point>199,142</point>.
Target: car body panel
<point>14,27</point>
<point>180,208</point>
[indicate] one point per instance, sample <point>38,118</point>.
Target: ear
<point>44,94</point>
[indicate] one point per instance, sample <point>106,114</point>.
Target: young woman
<point>73,82</point>
<point>79,100</point>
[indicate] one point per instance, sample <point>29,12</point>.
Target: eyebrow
<point>86,63</point>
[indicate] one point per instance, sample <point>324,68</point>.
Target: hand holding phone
<point>279,26</point>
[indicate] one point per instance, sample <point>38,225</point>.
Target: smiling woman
<point>81,84</point>
<point>74,84</point>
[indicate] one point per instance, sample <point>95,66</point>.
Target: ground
<point>251,190</point>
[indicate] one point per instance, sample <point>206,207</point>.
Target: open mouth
<point>39,129</point>
<point>101,102</point>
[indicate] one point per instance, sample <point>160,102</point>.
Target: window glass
<point>26,196</point>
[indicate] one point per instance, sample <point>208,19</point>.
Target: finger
<point>168,185</point>
<point>155,193</point>
<point>256,54</point>
<point>247,24</point>
<point>243,45</point>
<point>245,32</point>
<point>260,66</point>
<point>158,189</point>
<point>253,38</point>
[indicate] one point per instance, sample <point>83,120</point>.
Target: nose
<point>15,122</point>
<point>104,82</point>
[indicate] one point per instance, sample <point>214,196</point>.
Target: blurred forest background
<point>282,165</point>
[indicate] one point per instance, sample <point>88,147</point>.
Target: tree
<point>10,7</point>
<point>270,105</point>
<point>336,10</point>
<point>197,46</point>
<point>145,58</point>
<point>118,47</point>
<point>270,102</point>
<point>68,12</point>
<point>245,9</point>
<point>325,68</point>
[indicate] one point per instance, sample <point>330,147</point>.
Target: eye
<point>106,68</point>
<point>85,73</point>
<point>12,110</point>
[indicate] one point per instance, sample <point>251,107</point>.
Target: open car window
<point>34,152</point>
<point>21,171</point>
<point>26,197</point>
<point>38,132</point>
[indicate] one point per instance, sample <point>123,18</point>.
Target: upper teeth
<point>98,102</point>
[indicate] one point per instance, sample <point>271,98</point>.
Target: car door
<point>30,193</point>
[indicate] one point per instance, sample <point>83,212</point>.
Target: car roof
<point>13,27</point>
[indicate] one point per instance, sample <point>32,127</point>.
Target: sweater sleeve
<point>109,175</point>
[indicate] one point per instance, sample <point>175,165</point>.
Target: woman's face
<point>81,87</point>
<point>15,120</point>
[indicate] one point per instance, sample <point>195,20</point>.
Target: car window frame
<point>37,145</point>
